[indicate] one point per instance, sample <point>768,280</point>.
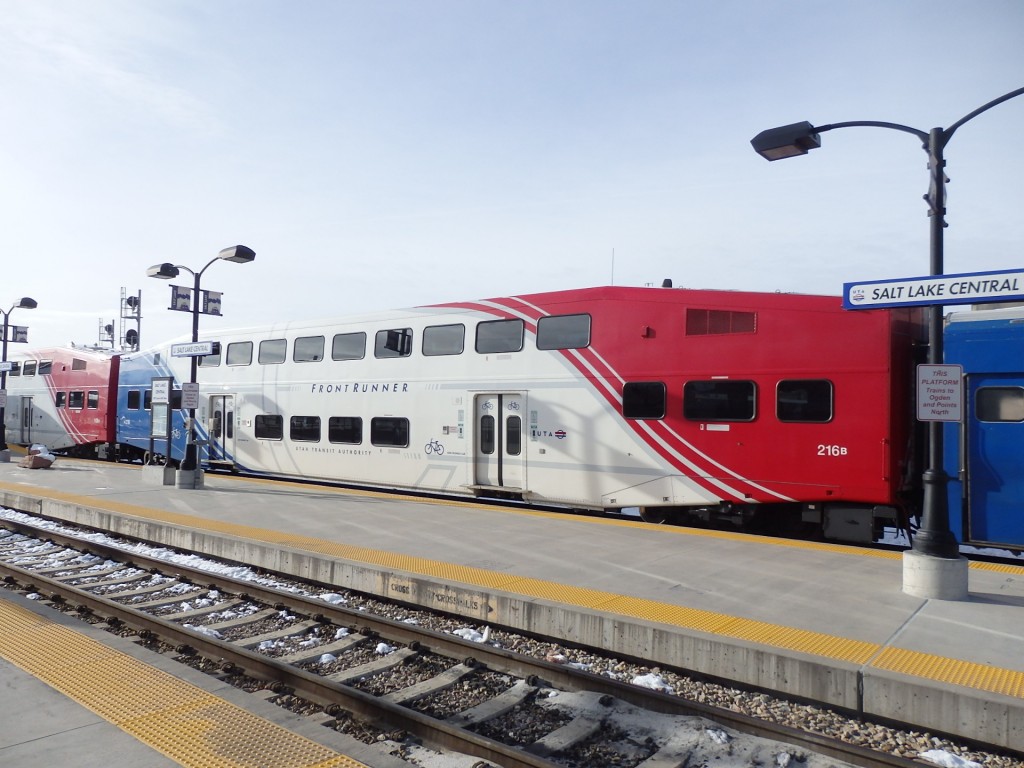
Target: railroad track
<point>393,680</point>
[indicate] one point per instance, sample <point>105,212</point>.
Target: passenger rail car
<point>676,402</point>
<point>63,398</point>
<point>984,453</point>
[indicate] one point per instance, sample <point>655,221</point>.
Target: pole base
<point>5,456</point>
<point>190,478</point>
<point>934,578</point>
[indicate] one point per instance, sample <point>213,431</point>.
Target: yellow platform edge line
<point>177,719</point>
<point>710,622</point>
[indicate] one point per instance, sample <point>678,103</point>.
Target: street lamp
<point>947,576</point>
<point>23,303</point>
<point>239,254</point>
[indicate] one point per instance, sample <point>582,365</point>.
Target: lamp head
<point>786,141</point>
<point>165,271</point>
<point>26,303</point>
<point>239,254</point>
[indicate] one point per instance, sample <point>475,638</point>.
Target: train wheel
<point>656,515</point>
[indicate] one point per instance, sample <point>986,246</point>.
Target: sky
<point>378,155</point>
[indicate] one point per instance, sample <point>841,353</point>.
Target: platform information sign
<point>193,349</point>
<point>189,395</point>
<point>966,288</point>
<point>940,391</point>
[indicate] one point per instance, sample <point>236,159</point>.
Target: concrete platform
<point>804,619</point>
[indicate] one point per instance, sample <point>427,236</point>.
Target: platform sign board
<point>160,415</point>
<point>6,366</point>
<point>189,396</point>
<point>192,349</point>
<point>940,392</point>
<point>966,288</point>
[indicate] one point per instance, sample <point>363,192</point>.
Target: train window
<point>45,367</point>
<point>999,404</point>
<point>705,322</point>
<point>718,400</point>
<point>273,351</point>
<point>30,368</point>
<point>348,346</point>
<point>93,399</point>
<point>209,361</point>
<point>59,399</point>
<point>269,427</point>
<point>15,369</point>
<point>643,399</point>
<point>147,400</point>
<point>76,399</point>
<point>345,429</point>
<point>134,399</point>
<point>396,342</point>
<point>239,353</point>
<point>77,364</point>
<point>487,435</point>
<point>563,332</point>
<point>496,336</point>
<point>806,400</point>
<point>308,349</point>
<point>513,435</point>
<point>444,339</point>
<point>389,431</point>
<point>304,428</point>
<point>175,399</point>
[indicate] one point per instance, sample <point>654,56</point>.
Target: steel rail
<point>496,659</point>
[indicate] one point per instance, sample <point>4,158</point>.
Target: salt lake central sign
<point>968,288</point>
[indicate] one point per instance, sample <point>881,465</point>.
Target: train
<point>767,411</point>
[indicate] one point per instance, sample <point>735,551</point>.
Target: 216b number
<point>832,450</point>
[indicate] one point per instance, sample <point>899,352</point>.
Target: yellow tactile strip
<point>178,719</point>
<point>914,663</point>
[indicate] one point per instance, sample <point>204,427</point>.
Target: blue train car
<point>135,408</point>
<point>984,455</point>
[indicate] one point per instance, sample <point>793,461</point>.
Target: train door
<point>995,458</point>
<point>220,426</point>
<point>25,428</point>
<point>499,460</point>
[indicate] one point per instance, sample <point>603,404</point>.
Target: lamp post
<point>23,303</point>
<point>239,254</point>
<point>945,575</point>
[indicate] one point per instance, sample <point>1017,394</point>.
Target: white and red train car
<point>64,398</point>
<point>677,402</point>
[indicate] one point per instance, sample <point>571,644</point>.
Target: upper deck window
<point>496,336</point>
<point>395,342</point>
<point>308,349</point>
<point>563,332</point>
<point>30,368</point>
<point>348,346</point>
<point>273,351</point>
<point>45,367</point>
<point>444,339</point>
<point>240,353</point>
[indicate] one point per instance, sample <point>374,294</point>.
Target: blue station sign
<point>968,288</point>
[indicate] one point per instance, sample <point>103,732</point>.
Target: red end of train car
<point>63,398</point>
<point>772,404</point>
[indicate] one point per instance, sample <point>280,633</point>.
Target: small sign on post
<point>189,396</point>
<point>940,392</point>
